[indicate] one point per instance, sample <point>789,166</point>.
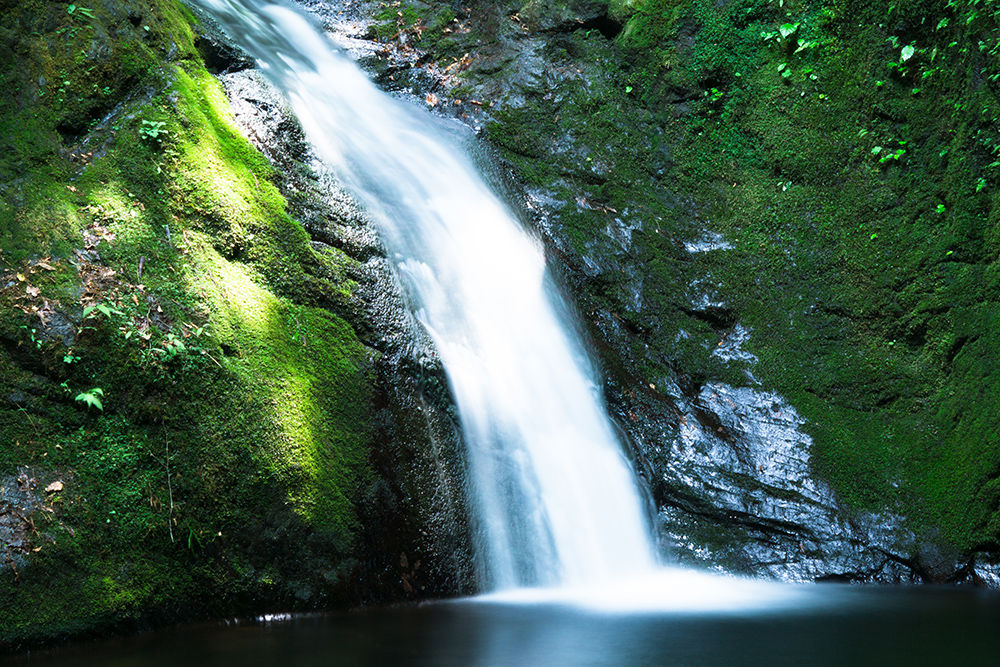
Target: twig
<point>170,490</point>
<point>26,414</point>
<point>216,362</point>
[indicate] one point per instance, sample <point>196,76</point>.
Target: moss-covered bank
<point>845,153</point>
<point>169,354</point>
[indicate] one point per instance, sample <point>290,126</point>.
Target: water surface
<point>818,625</point>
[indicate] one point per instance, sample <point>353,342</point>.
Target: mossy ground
<point>231,449</point>
<point>847,152</point>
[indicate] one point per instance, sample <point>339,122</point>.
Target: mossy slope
<point>223,471</point>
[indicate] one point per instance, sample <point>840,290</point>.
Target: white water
<point>555,499</point>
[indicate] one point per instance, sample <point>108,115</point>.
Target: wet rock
<point>416,503</point>
<point>220,54</point>
<point>740,461</point>
<point>538,15</point>
<point>727,464</point>
<point>23,530</point>
<point>981,571</point>
<point>266,120</point>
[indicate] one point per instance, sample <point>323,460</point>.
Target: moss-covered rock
<point>814,179</point>
<point>174,352</point>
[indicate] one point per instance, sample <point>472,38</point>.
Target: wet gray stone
<point>728,468</point>
<point>220,53</point>
<point>419,509</point>
<point>23,497</point>
<point>538,15</point>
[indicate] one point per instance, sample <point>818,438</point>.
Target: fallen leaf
<point>21,277</point>
<point>32,291</point>
<point>54,487</point>
<point>431,99</point>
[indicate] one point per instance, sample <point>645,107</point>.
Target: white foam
<point>669,590</point>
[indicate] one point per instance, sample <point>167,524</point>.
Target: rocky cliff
<point>778,222</point>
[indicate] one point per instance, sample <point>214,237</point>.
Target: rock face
<point>415,529</point>
<point>729,463</point>
<point>25,507</point>
<point>204,347</point>
<point>736,492</point>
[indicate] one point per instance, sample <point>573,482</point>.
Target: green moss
<point>233,442</point>
<point>311,374</point>
<point>648,24</point>
<point>858,192</point>
<point>857,296</point>
<point>394,19</point>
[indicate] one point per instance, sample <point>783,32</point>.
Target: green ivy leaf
<point>788,29</point>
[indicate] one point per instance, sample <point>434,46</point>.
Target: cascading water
<point>555,499</point>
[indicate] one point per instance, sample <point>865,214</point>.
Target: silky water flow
<point>556,505</point>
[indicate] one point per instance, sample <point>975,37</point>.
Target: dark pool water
<point>830,625</point>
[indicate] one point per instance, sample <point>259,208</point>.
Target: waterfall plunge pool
<point>760,624</point>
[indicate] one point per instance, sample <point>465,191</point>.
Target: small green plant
<point>81,13</point>
<point>887,154</point>
<point>36,340</point>
<point>786,40</point>
<point>153,130</point>
<point>91,312</point>
<point>70,358</point>
<point>172,347</point>
<point>90,398</point>
<point>782,36</point>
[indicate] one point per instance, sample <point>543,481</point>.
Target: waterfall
<point>554,498</point>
